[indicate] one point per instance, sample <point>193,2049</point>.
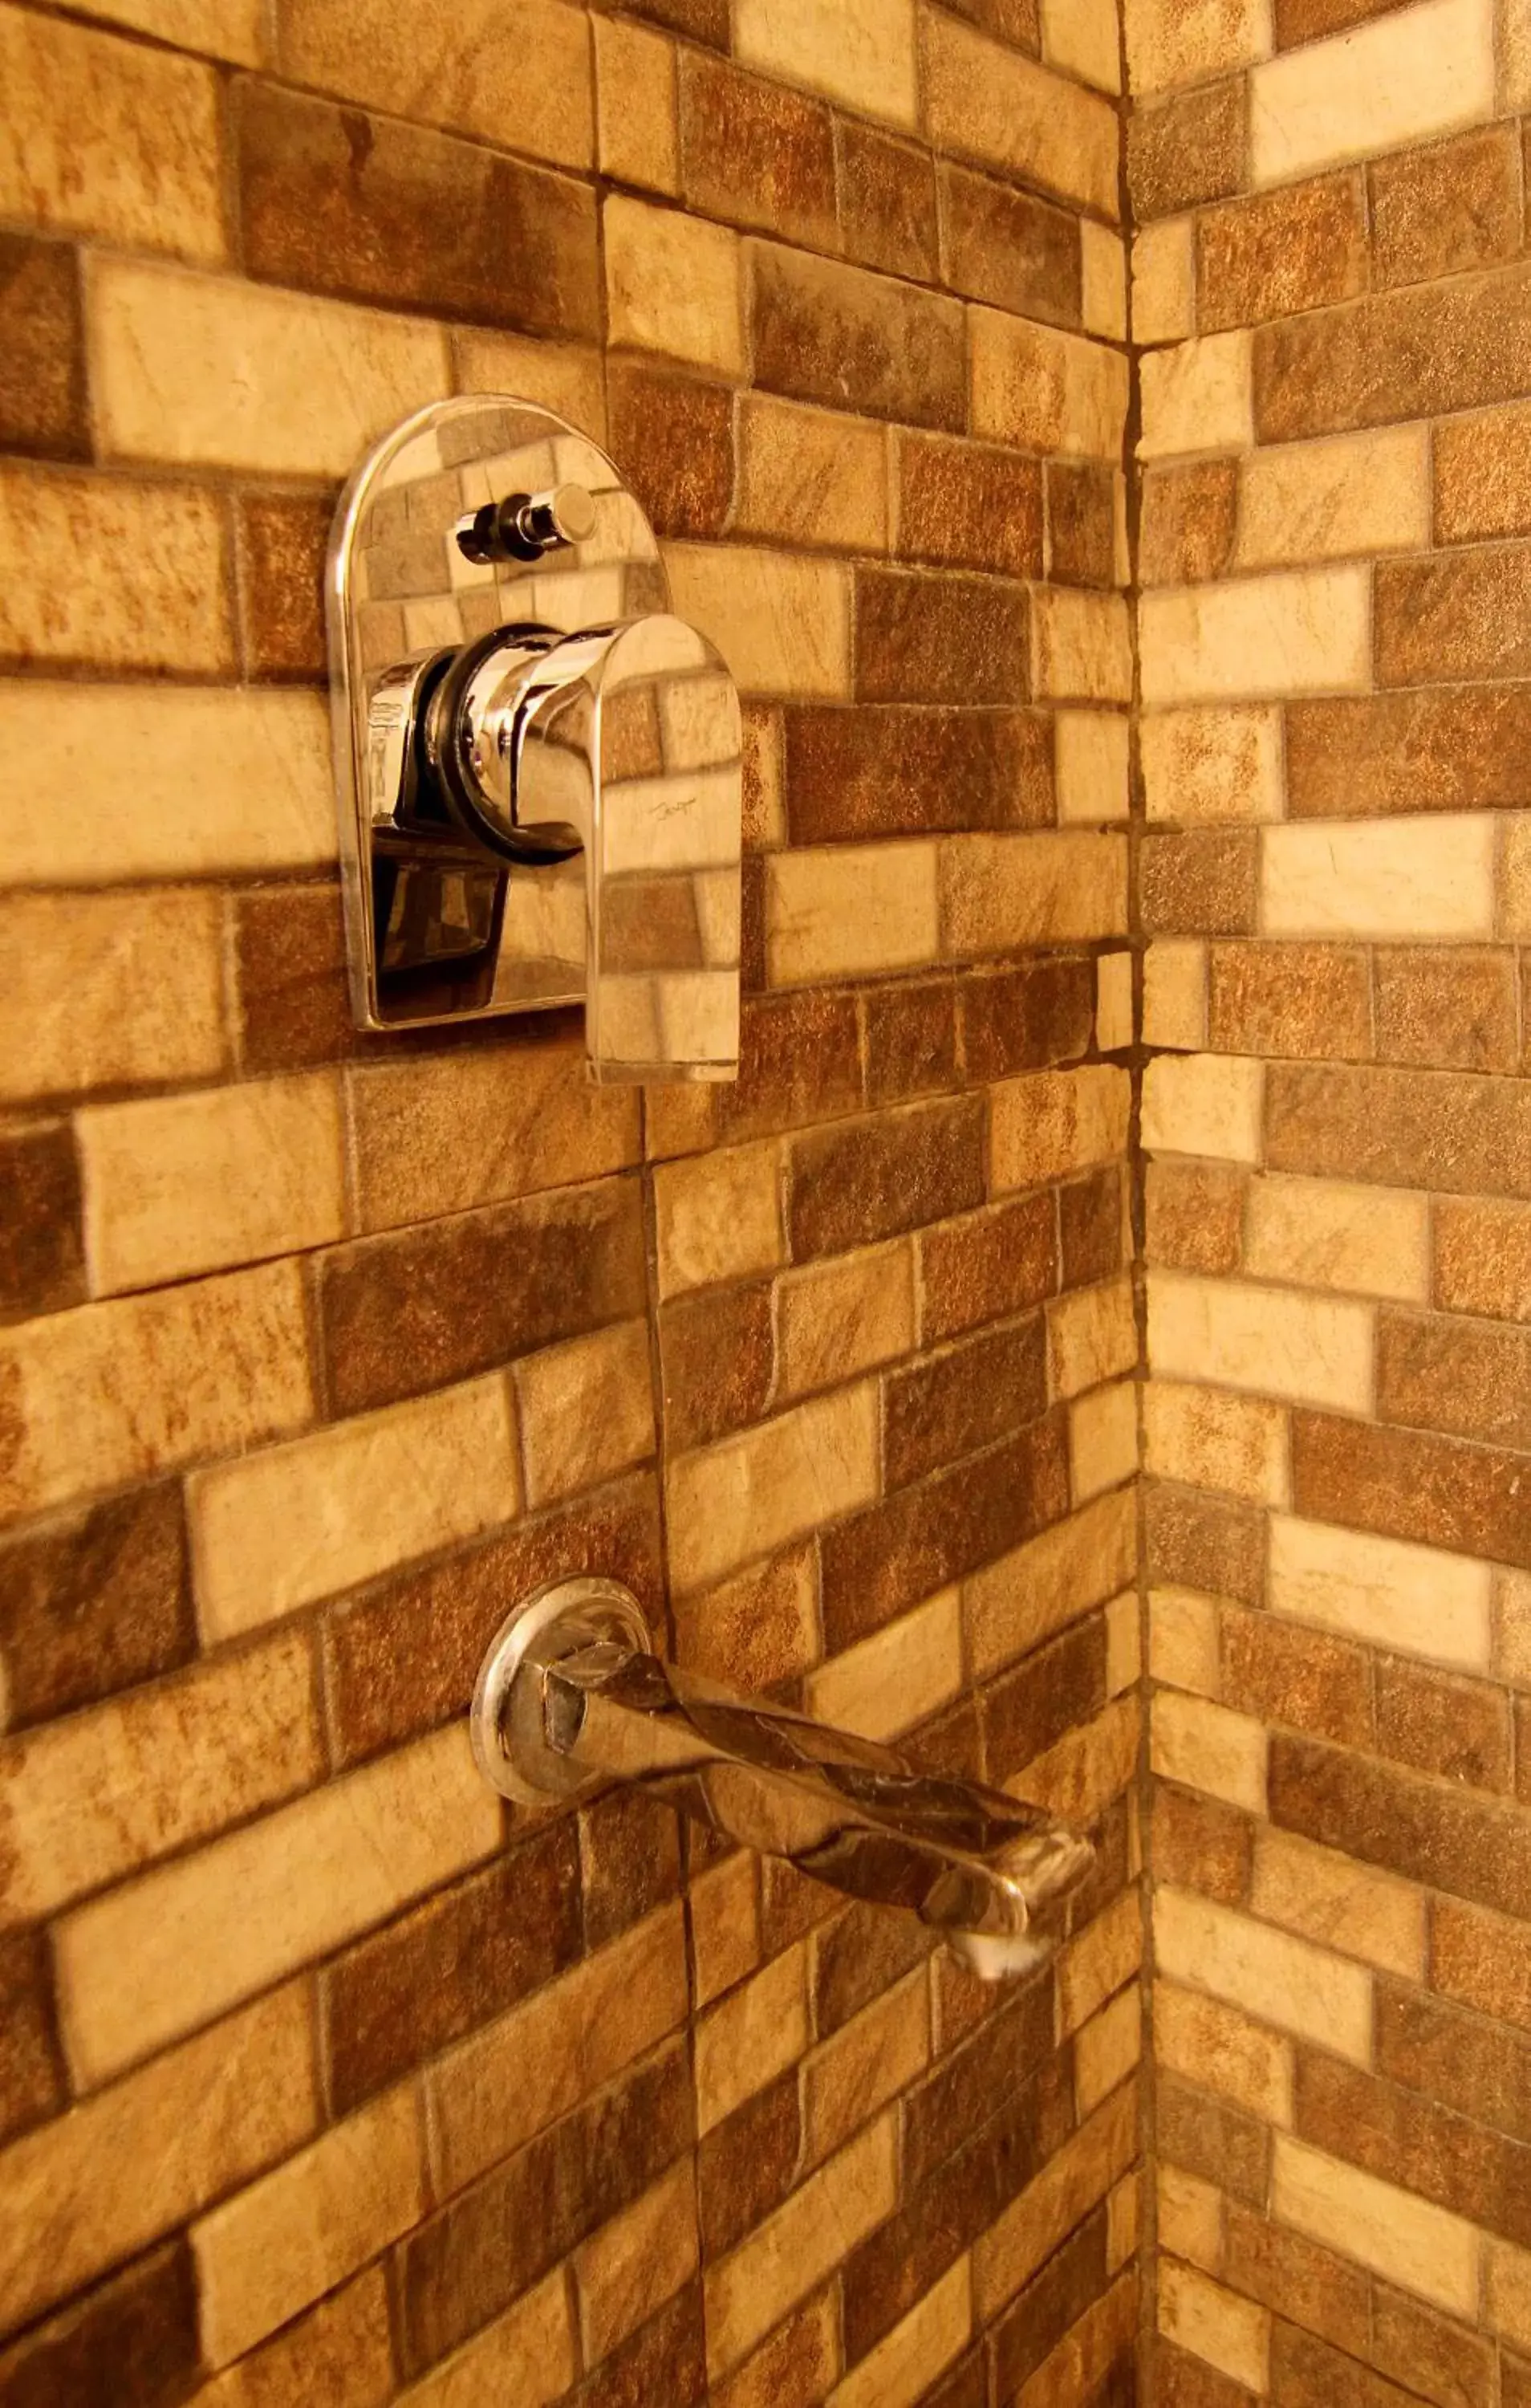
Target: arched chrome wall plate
<point>539,767</point>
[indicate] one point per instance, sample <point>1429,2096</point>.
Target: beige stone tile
<point>1077,1778</point>
<point>726,1925</point>
<point>224,779</point>
<point>836,911</point>
<point>1083,39</point>
<point>470,78</point>
<point>1091,1335</point>
<point>148,590</point>
<point>789,2254</point>
<point>1091,763</point>
<point>1124,1644</point>
<point>1202,766</point>
<point>1512,1625</point>
<point>1306,1349</point>
<point>720,1217</point>
<point>165,1953</point>
<point>1203,1746</point>
<point>1420,2247</point>
<point>1175,995</point>
<point>280,1529</point>
<point>1012,1605</point>
<point>1107,2050</point>
<point>1209,1104</point>
<point>753,2035</point>
<point>1113,1002</point>
<point>1198,396</point>
<point>1098,1962</point>
<point>1416,878</point>
<point>223,29</point>
<point>1211,2043</point>
<point>870,2060</point>
<point>811,477</point>
<point>1044,389</point>
<point>1185,1646</point>
<point>1102,1440</point>
<point>1075,2180</point>
<point>637,2262</point>
<point>836,1318</point>
<point>985,101</point>
<point>1164,281</point>
<point>904,2365</point>
<point>673,285</point>
<point>114,1393</point>
<point>1343,1905</point>
<point>752,1493</point>
<point>110,138</point>
<point>585,1410</point>
<point>103,1793</point>
<point>1279,1980</point>
<point>1320,1233</point>
<point>782,624</point>
<point>507,2082</point>
<point>859,52</point>
<point>340,2352</point>
<point>637,120</point>
<point>1318,501</point>
<point>1208,1439</point>
<point>275,2249</point>
<point>885,1684</point>
<point>178,1185</point>
<point>1215,2324</point>
<point>1300,631</point>
<point>1103,265</point>
<point>1080,646</point>
<point>95,2185</point>
<point>1170,43</point>
<point>1057,1122</point>
<point>1190,2223</point>
<point>569,379</point>
<point>1383,1590</point>
<point>528,2356</point>
<point>110,991</point>
<point>1507,2292</point>
<point>1409,74</point>
<point>1000,893</point>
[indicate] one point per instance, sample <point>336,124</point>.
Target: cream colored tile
<point>870,2060</point>
<point>469,75</point>
<point>165,1953</point>
<point>1012,1605</point>
<point>1107,2050</point>
<point>1198,396</point>
<point>148,592</point>
<point>1409,74</point>
<point>811,477</point>
<point>341,2352</point>
<point>1083,38</point>
<point>1508,2292</point>
<point>1184,1644</point>
<point>275,2249</point>
<point>904,1672</point>
<point>1175,995</point>
<point>1203,766</point>
<point>1211,1104</point>
<point>673,285</point>
<point>790,2254</point>
<point>1091,755</point>
<point>1088,1768</point>
<point>1414,878</point>
<point>752,1493</point>
<point>1102,1440</point>
<point>1211,2043</point>
<point>1306,1349</point>
<point>782,624</point>
<point>983,100</point>
<point>528,2356</point>
<point>278,1529</point>
<point>1103,263</point>
<point>1169,42</point>
<point>1080,646</point>
<point>103,1793</point>
<point>224,779</point>
<point>1512,1625</point>
<point>757,2033</point>
<point>859,52</point>
<point>1319,1233</point>
<point>1383,1590</point>
<point>1000,893</point>
<point>1190,2218</point>
<point>212,373</point>
<point>1043,390</point>
<point>1164,281</point>
<point>637,2262</point>
<point>1420,2247</point>
<point>225,29</point>
<point>1075,2180</point>
<point>1279,1980</point>
<point>110,991</point>
<point>836,911</point>
<point>1113,1002</point>
<point>904,2365</point>
<point>726,1925</point>
<point>1206,1438</point>
<point>1337,1902</point>
<point>114,1393</point>
<point>586,1410</point>
<point>846,1315</point>
<point>719,1217</point>
<point>1219,2327</point>
<point>1318,501</point>
<point>1054,1123</point>
<point>1515,878</point>
<point>637,110</point>
<point>92,2188</point>
<point>1303,631</point>
<point>569,379</point>
<point>1124,1644</point>
<point>1203,1746</point>
<point>1091,1335</point>
<point>1098,1962</point>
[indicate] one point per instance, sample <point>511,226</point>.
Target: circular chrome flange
<point>506,1725</point>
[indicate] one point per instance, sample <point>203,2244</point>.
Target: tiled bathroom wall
<point>321,2079</point>
<point>1332,274</point>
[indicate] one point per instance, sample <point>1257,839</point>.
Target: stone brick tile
<point>1483,1961</point>
<point>672,284</point>
<point>1470,1379</point>
<point>1057,1689</point>
<point>42,343</point>
<point>1408,1128</point>
<point>700,20</point>
<point>1212,1543</point>
<point>32,2078</point>
<point>877,1178</point>
<point>1269,257</point>
<point>1207,2137</point>
<point>1081,530</point>
<point>1441,212</point>
<point>1091,1226</point>
<point>718,1352</point>
<point>887,772</point>
<point>1305,2371</point>
<point>771,1484</point>
<point>415,218</point>
<point>1376,89</point>
<point>748,2163</point>
<point>42,1265</point>
<point>1186,147</point>
<point>638,134</point>
<point>1395,356</point>
<point>1453,1010</point>
<point>1454,2060</point>
<point>1298,2279</point>
<point>1195,1216</point>
<point>1187,530</point>
<point>1470,1847</point>
<point>1016,21</point>
<point>811,478</point>
<point>1051,2304</point>
<point>134,2338</point>
<point>988,1265</point>
<point>1201,1843</point>
<point>955,1403</point>
<point>1482,1259</point>
<point>290,964</point>
<point>1200,883</point>
<point>1455,617</point>
<point>1046,391</point>
<point>1418,752</point>
<point>888,205</point>
<point>1411,1484</point>
<point>1451,2367</point>
<point>756,154</point>
<point>153,594</point>
<point>674,435</point>
<point>1282,1673</point>
<point>283,540</point>
<point>788,2258</point>
<point>1182,2381</point>
<point>1026,1018</point>
<point>1310,1001</point>
<point>799,1063</point>
<point>949,639</point>
<point>911,1034</point>
<point>629,1862</point>
<point>95,1602</point>
<point>1203,766</point>
<point>1418,2145</point>
<point>795,2368</point>
<point>669,2351</point>
<point>839,335</point>
<point>1007,248</point>
<point>968,506</point>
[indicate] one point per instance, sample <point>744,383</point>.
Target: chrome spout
<point>571,1697</point>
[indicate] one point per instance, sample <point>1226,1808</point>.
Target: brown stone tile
<point>1431,2355</point>
<point>1186,149</point>
<point>863,1952</point>
<point>1199,1843</point>
<point>42,1261</point>
<point>1200,883</point>
<point>953,640</point>
<point>799,1063</point>
<point>1450,751</point>
<point>1442,210</point>
<point>1196,1215</point>
<point>1453,616</point>
<point>1408,1128</point>
<point>790,1904</point>
<point>1454,1009</point>
<point>1081,522</point>
<point>701,20</point>
<point>1016,21</point>
<point>1415,2143</point>
<point>1182,2381</point>
<point>666,2358</point>
<point>969,506</point>
<point>1207,2137</point>
<point>1295,249</point>
<point>404,1658</point>
<point>911,1040</point>
<point>1186,534</point>
<point>426,1306</point>
<point>887,202</point>
<point>335,201</point>
<point>966,2386</point>
<point>1091,1226</point>
<point>1305,2373</point>
<point>898,772</point>
<point>1307,20</point>
<point>1031,2327</point>
<point>1392,356</point>
<point>1469,1379</point>
<point>795,2368</point>
<point>629,1860</point>
<point>1441,1723</point>
<point>756,154</point>
<point>1407,1484</point>
<point>746,2164</point>
<point>877,1178</point>
<point>903,1549</point>
<point>1455,2059</point>
<point>1007,248</point>
<point>42,349</point>
<point>988,1265</point>
<point>32,2082</point>
<point>950,1406</point>
<point>1310,1001</point>
<point>133,2341</point>
<point>1482,1259</point>
<point>340,2353</point>
<point>93,1602</point>
<point>1281,1673</point>
<point>1514,2381</point>
<point>1026,1018</point>
<point>856,341</point>
<point>289,955</point>
<point>1470,1847</point>
<point>674,436</point>
<point>1057,1688</point>
<point>718,1352</point>
<point>1208,1542</point>
<point>1297,2279</point>
<point>283,543</point>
